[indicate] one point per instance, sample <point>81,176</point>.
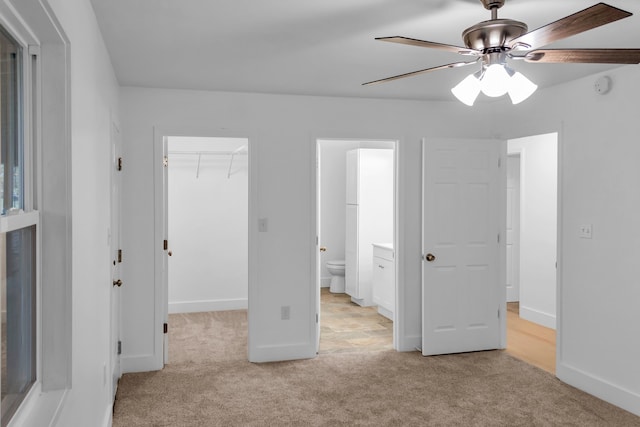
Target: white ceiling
<point>324,47</point>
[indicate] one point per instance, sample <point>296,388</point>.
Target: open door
<point>463,245</point>
<point>166,252</point>
<point>116,258</point>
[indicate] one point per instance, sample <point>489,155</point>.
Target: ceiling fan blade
<point>587,19</point>
<point>433,45</point>
<point>415,73</point>
<point>585,56</point>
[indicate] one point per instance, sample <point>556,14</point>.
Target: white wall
<point>283,131</point>
<point>598,302</point>
<point>94,102</point>
<point>538,224</point>
<point>208,229</point>
<point>598,314</point>
<point>333,167</point>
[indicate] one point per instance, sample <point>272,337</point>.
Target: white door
<point>166,251</point>
<point>513,228</point>
<point>319,248</point>
<point>116,257</point>
<point>463,217</point>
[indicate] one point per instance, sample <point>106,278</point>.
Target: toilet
<point>336,268</point>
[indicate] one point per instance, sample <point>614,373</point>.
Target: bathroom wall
<point>333,166</point>
<point>208,230</point>
<point>538,226</point>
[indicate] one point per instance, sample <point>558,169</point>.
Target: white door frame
<point>515,154</point>
<point>161,304</point>
<point>400,342</point>
<point>115,244</point>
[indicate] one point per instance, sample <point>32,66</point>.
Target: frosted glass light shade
<point>520,88</point>
<point>467,90</point>
<point>495,81</point>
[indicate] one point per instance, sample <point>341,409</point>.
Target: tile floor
<point>347,327</point>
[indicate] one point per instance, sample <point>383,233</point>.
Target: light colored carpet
<point>210,383</point>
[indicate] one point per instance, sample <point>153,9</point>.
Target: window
<point>18,237</point>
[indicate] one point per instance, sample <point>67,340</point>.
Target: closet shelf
<point>238,151</point>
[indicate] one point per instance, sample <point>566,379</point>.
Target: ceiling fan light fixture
<point>467,90</point>
<point>520,88</point>
<point>495,81</point>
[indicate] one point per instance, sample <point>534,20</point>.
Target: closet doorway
<point>207,193</point>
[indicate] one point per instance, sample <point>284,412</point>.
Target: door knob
<point>117,283</point>
<point>323,249</point>
<point>430,257</point>
<point>169,253</point>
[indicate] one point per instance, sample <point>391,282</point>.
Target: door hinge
<point>165,161</point>
<point>316,317</point>
<point>498,313</point>
<point>165,328</point>
<point>499,162</point>
<point>119,167</point>
<point>119,347</point>
<point>119,255</point>
<point>165,245</point>
<point>498,237</point>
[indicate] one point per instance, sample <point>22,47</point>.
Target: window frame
<point>34,24</point>
<point>28,216</point>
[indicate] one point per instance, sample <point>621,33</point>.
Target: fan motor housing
<point>495,33</point>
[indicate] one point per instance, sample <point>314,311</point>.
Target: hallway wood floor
<point>346,327</point>
<point>528,341</point>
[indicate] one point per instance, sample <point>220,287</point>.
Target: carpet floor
<point>208,382</point>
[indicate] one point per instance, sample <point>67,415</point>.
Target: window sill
<point>39,408</point>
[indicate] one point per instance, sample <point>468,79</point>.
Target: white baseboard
<point>143,363</point>
<point>539,317</point>
<point>605,390</point>
<point>210,305</point>
<point>386,313</point>
<point>279,353</point>
<point>410,343</point>
<point>108,417</point>
<point>325,282</point>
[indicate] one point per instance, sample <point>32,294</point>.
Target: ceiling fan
<point>494,41</point>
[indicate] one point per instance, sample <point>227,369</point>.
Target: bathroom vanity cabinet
<point>384,279</point>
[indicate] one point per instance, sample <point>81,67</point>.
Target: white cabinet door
<point>352,177</point>
<point>384,286</point>
<point>351,252</point>
<point>463,216</point>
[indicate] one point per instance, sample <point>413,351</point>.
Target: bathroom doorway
<point>356,229</point>
<point>207,190</point>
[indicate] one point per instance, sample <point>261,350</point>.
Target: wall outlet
<point>285,312</point>
<point>586,231</point>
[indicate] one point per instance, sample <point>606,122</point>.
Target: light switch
<point>586,231</point>
<point>262,225</point>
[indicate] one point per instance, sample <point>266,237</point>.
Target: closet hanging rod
<point>236,151</point>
